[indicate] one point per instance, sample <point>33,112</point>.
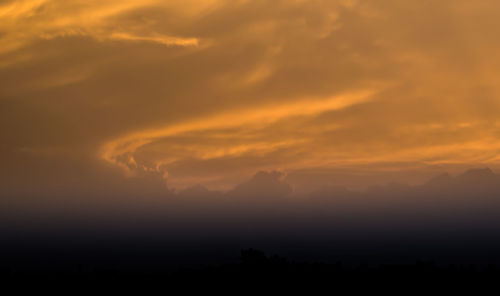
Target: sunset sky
<point>123,95</point>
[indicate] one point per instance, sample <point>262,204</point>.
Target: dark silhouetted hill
<point>256,270</point>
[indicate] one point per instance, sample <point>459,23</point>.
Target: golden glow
<point>258,118</point>
<point>28,20</point>
<point>211,91</point>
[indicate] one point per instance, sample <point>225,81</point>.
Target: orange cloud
<point>261,117</point>
<point>26,21</point>
<point>206,90</point>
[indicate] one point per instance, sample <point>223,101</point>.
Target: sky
<point>147,96</point>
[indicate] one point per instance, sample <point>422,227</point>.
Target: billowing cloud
<point>26,21</point>
<point>211,92</point>
<point>230,133</point>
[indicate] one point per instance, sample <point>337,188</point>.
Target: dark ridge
<point>257,268</point>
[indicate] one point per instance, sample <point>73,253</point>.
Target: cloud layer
<point>212,91</point>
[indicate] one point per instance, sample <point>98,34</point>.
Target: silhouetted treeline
<point>256,268</point>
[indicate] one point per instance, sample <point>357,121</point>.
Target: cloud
<point>210,92</point>
<point>24,22</point>
<point>166,40</point>
<point>240,120</point>
<point>263,187</point>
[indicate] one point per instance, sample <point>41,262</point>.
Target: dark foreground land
<point>254,269</point>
